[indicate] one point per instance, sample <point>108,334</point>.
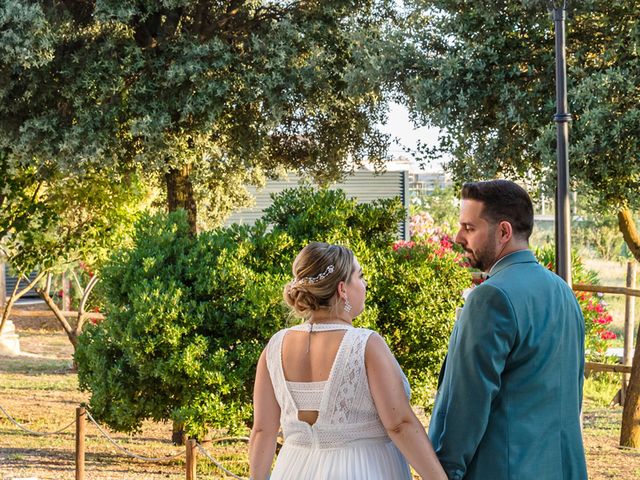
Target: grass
<point>41,393</point>
<point>601,387</point>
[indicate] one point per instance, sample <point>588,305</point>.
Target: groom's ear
<point>506,231</point>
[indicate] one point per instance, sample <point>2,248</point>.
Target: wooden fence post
<point>81,419</point>
<point>629,327</point>
<point>3,284</point>
<point>191,458</point>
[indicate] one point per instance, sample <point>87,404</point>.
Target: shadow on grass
<point>28,365</point>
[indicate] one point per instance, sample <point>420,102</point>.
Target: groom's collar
<point>521,256</point>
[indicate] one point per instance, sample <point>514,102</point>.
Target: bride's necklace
<point>331,322</point>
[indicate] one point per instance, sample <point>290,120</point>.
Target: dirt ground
<point>40,390</point>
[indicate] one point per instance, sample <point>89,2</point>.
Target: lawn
<point>40,391</point>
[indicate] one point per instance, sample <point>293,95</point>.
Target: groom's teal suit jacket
<point>510,394</point>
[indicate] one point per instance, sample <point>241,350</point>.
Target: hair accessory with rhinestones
<point>321,276</point>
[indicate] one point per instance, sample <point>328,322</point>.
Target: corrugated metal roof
<point>11,283</point>
<point>364,186</point>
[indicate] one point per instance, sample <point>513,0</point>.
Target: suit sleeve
<point>472,378</point>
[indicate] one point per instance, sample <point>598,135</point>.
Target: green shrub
<point>187,317</point>
<point>415,290</point>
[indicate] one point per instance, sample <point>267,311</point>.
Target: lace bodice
<point>306,395</point>
<point>346,411</point>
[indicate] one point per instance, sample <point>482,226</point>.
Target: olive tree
<point>200,96</point>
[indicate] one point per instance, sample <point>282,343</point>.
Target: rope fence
<point>218,464</point>
<point>80,422</point>
<point>32,432</point>
<point>127,452</point>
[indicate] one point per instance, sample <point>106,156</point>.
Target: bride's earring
<point>347,305</point>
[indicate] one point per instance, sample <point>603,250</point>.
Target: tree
<point>49,223</point>
<point>484,73</point>
<point>202,96</point>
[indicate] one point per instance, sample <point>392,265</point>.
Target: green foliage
<point>600,388</point>
<point>48,222</point>
<point>600,237</point>
<point>308,214</point>
<point>185,320</point>
<point>483,72</point>
<point>594,308</point>
<point>415,291</point>
<point>227,91</point>
<point>187,317</point>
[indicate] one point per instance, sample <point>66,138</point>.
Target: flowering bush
<point>594,308</point>
<point>414,293</point>
<point>596,320</point>
<point>423,228</point>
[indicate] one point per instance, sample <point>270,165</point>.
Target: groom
<point>509,399</point>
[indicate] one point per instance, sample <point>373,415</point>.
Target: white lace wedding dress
<point>348,440</point>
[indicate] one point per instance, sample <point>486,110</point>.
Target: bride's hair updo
<point>317,271</point>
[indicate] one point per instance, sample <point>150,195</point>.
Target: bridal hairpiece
<point>321,276</point>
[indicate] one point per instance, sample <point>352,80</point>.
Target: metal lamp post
<point>562,119</point>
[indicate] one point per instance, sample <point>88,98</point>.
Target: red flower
<point>604,319</point>
<point>446,244</point>
<point>607,335</point>
<point>403,244</point>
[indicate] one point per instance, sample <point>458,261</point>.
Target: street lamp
<point>562,119</point>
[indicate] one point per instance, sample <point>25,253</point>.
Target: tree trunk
<point>15,296</point>
<point>177,434</point>
<point>627,226</point>
<point>46,296</point>
<point>180,194</point>
<point>630,431</point>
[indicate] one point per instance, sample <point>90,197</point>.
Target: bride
<point>336,391</point>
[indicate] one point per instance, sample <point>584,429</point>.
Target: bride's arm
<point>266,423</point>
<point>402,425</point>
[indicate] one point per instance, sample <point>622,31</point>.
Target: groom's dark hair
<point>503,201</point>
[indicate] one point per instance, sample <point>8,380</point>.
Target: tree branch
<point>82,317</point>
<point>9,305</point>
<point>44,294</point>
<point>627,226</point>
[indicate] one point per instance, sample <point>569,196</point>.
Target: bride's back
<point>308,357</point>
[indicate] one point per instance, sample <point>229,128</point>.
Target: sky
<point>399,126</point>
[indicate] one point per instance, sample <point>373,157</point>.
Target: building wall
<point>365,186</point>
<point>10,283</point>
<point>425,183</point>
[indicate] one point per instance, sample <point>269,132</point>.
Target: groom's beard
<point>482,258</point>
